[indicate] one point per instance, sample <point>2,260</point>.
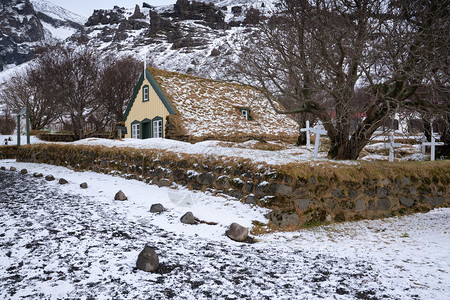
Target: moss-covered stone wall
<point>297,194</point>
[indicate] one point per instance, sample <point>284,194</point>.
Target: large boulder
<point>188,218</point>
<point>237,232</point>
<point>157,208</point>
<point>148,260</point>
<point>120,196</point>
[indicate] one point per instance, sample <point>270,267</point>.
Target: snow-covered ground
<point>61,241</point>
<point>291,154</point>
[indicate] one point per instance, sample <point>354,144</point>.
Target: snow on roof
<point>210,108</point>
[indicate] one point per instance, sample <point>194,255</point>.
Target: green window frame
<point>136,130</point>
<point>157,127</point>
<point>145,93</point>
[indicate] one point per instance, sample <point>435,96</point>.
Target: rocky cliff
<point>20,30</point>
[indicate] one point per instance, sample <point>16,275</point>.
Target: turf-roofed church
<point>183,107</point>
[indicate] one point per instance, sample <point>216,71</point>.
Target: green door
<point>146,130</point>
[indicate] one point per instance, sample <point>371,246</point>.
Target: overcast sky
<point>86,7</point>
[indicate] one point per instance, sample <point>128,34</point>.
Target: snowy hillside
<point>58,22</point>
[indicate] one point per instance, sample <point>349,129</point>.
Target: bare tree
<point>7,122</point>
<point>116,84</point>
<point>25,90</point>
<point>71,75</point>
<point>318,53</point>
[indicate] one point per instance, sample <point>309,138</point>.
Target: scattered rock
<point>62,181</point>
<point>38,175</point>
<point>2,168</point>
<point>120,196</point>
<point>49,177</point>
<point>237,232</point>
<point>84,185</point>
<point>23,171</point>
<point>148,260</point>
<point>157,208</point>
<point>13,169</point>
<point>188,218</point>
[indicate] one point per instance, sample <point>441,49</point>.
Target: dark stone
<point>248,186</point>
<point>84,185</point>
<point>23,171</point>
<point>188,218</point>
<point>262,189</point>
<point>372,205</point>
<point>360,205</point>
<point>13,169</point>
<point>405,181</point>
<point>206,178</point>
<point>179,176</point>
<point>120,196</point>
<point>3,168</point>
<point>251,199</point>
<point>38,175</point>
<point>223,182</point>
<point>215,52</point>
<point>247,174</point>
<point>163,182</point>
<point>369,192</point>
<point>252,17</point>
<point>280,189</point>
<point>406,201</point>
<point>337,193</point>
<point>381,192</point>
<point>284,218</point>
<point>352,194</point>
<point>332,204</point>
<point>157,208</point>
<point>106,16</point>
<point>148,260</point>
<point>237,232</point>
<point>62,181</point>
<point>302,204</point>
<point>236,10</point>
<point>146,5</point>
<point>435,201</point>
<point>384,204</point>
<point>49,178</point>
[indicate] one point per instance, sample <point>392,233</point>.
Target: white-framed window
<point>135,131</point>
<point>157,129</point>
<point>245,113</point>
<point>145,93</point>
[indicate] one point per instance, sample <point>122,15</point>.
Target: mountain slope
<point>58,22</point>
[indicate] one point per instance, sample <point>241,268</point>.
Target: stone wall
<point>296,194</point>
